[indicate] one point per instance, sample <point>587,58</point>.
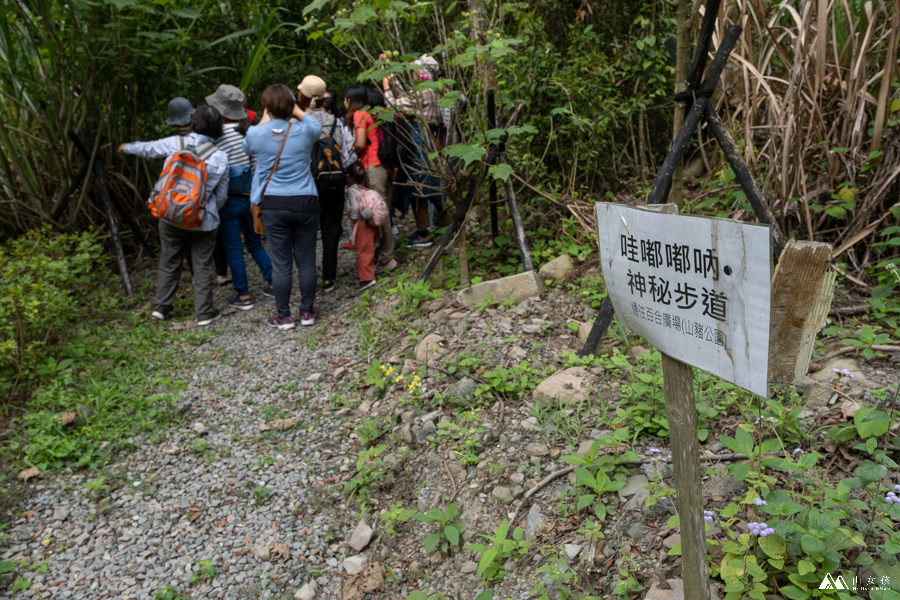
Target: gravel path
<point>235,495</point>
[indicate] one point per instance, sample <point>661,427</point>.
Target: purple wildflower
<point>797,451</point>
<point>891,498</point>
<point>760,529</point>
<point>709,515</point>
<point>760,502</point>
<point>897,488</point>
<point>843,372</point>
<point>656,451</point>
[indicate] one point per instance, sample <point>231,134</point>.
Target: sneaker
<point>349,246</point>
<point>394,230</point>
<point>419,242</point>
<point>268,290</point>
<point>161,313</point>
<point>364,285</point>
<point>223,279</point>
<point>388,267</point>
<point>280,322</point>
<point>308,319</point>
<point>328,287</point>
<point>206,321</point>
<point>239,304</point>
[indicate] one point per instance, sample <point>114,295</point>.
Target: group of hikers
<point>234,178</point>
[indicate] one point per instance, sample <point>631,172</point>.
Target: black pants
<point>220,256</point>
<point>332,204</point>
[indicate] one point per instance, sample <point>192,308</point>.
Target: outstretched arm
<point>157,149</point>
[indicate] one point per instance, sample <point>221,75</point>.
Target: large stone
<point>307,592</point>
<point>537,449</point>
<point>564,387</point>
<point>503,493</point>
<point>633,485</point>
<point>557,268</point>
<point>469,567</point>
<point>533,522</point>
<point>462,389</point>
<point>676,592</point>
<point>361,537</point>
<point>572,550</point>
<point>859,379</point>
<point>354,564</point>
<point>429,348</point>
<point>516,287</point>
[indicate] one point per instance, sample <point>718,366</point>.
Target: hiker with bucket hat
<point>237,219</point>
<point>181,117</point>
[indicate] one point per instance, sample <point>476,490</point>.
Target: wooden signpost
<point>701,290</point>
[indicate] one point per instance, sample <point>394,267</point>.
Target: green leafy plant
<point>170,592</point>
<point>204,571</point>
<point>371,471</point>
<point>261,494</point>
<point>491,566</point>
<point>391,517</point>
<point>370,430</point>
<point>449,529</point>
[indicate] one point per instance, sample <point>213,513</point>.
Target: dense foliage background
<point>811,94</point>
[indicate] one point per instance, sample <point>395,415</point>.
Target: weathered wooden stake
<point>519,229</point>
<point>492,190</point>
<point>113,227</point>
<point>678,385</point>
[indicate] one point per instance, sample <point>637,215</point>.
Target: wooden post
<point>678,384</point>
<point>492,190</point>
<point>521,239</point>
<point>113,227</point>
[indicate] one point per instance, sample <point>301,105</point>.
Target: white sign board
<point>696,288</point>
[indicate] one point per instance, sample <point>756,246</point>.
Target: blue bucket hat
<point>180,112</point>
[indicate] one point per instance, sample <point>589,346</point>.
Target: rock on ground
<point>516,287</point>
<point>565,387</point>
<point>557,268</point>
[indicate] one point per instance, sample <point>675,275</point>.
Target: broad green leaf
<point>741,443</point>
<point>502,172</point>
<point>871,423</point>
<point>772,545</point>
<point>739,470</point>
<point>314,5</point>
<point>837,212</point>
<point>7,566</point>
<point>811,545</point>
<point>486,559</point>
<point>870,472</point>
<point>431,542</point>
<point>452,534</point>
<point>485,595</point>
<point>794,593</point>
<point>673,522</point>
<point>585,500</point>
<point>187,13</point>
<point>468,153</point>
<point>675,551</point>
<point>804,567</point>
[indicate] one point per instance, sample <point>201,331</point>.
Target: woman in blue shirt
<point>287,198</point>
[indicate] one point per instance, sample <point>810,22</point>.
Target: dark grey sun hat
<point>180,111</point>
<point>229,101</point>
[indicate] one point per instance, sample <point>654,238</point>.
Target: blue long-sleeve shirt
<point>292,177</point>
<point>216,172</point>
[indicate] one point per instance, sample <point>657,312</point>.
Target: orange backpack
<point>180,192</point>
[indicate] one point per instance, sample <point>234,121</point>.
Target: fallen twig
<point>854,309</point>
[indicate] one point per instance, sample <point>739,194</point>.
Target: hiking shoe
<point>268,290</point>
<point>223,279</point>
<point>349,246</point>
<point>418,242</point>
<point>328,287</point>
<point>308,319</point>
<point>245,304</point>
<point>280,322</point>
<point>388,267</point>
<point>364,285</point>
<point>207,320</point>
<point>394,230</point>
<point>161,313</point>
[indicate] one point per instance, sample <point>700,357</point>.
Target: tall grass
<point>814,85</point>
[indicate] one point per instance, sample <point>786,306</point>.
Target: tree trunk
<point>683,32</point>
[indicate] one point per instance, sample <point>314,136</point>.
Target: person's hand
<point>122,147</point>
<point>266,117</point>
<point>299,112</point>
<point>365,215</point>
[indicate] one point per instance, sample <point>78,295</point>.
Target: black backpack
<point>326,167</point>
<point>395,146</point>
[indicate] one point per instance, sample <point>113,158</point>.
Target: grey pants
<point>175,242</point>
